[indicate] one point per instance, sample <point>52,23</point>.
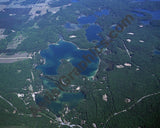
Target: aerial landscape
<point>79,63</point>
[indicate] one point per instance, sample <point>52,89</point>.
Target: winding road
<point>133,105</point>
<point>8,102</point>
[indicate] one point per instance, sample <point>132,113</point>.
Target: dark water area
<point>92,18</point>
<point>87,19</point>
<point>48,84</point>
<point>92,33</point>
<point>138,14</point>
<point>53,106</point>
<point>143,1</point>
<point>155,14</point>
<point>154,0</point>
<point>156,52</point>
<point>72,99</point>
<point>5,3</point>
<point>102,12</point>
<point>145,22</point>
<point>75,1</point>
<point>65,50</point>
<point>134,1</point>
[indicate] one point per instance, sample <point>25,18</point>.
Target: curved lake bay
<point>65,50</point>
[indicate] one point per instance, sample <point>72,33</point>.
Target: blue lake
<point>75,1</point>
<point>134,1</point>
<point>145,22</point>
<point>65,50</point>
<point>138,14</point>
<point>92,32</point>
<point>72,99</point>
<point>143,0</point>
<point>154,0</point>
<point>155,14</point>
<point>156,52</point>
<point>102,12</point>
<point>92,18</point>
<point>87,19</point>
